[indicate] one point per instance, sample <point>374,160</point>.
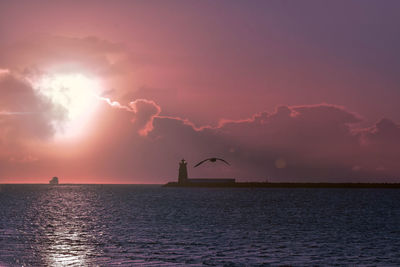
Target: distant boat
<point>54,180</point>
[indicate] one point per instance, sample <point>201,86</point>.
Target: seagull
<point>212,160</point>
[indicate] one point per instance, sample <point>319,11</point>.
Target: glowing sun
<point>75,96</point>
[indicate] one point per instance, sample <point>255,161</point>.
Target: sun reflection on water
<point>65,217</point>
<point>66,250</point>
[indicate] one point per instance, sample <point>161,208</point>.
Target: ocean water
<point>106,225</point>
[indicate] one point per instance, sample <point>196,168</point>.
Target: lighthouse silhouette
<point>183,175</point>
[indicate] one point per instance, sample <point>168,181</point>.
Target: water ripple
<point>92,225</point>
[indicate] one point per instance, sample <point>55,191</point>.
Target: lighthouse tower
<point>183,175</point>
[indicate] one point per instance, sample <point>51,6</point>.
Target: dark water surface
<point>88,225</point>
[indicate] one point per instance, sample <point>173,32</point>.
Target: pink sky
<point>120,91</point>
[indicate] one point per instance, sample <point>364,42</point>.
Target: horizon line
<point>173,182</point>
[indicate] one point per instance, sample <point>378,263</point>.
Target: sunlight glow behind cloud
<point>75,94</point>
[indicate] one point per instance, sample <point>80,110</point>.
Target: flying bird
<point>212,160</point>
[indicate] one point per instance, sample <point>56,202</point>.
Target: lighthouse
<point>183,179</point>
<point>183,175</point>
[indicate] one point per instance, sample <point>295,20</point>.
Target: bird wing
<point>201,162</point>
<point>224,161</point>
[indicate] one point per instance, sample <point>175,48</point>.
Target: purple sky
<point>120,91</point>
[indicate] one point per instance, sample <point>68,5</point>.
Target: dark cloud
<point>25,115</point>
<point>313,143</point>
<point>384,132</point>
<point>382,143</point>
<point>293,143</point>
<point>299,142</point>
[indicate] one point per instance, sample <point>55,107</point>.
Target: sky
<point>121,91</point>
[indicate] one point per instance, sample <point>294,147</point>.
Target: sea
<point>150,225</point>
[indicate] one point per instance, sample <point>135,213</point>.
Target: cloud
<point>45,55</point>
<point>293,143</point>
<point>313,143</point>
<point>145,111</point>
<point>384,132</point>
<point>300,140</point>
<point>23,159</point>
<point>26,122</point>
<point>64,54</point>
<point>135,140</point>
<point>381,141</point>
<point>142,112</point>
<point>24,115</point>
<point>305,128</point>
<point>4,71</point>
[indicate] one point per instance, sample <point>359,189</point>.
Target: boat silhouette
<point>54,180</point>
